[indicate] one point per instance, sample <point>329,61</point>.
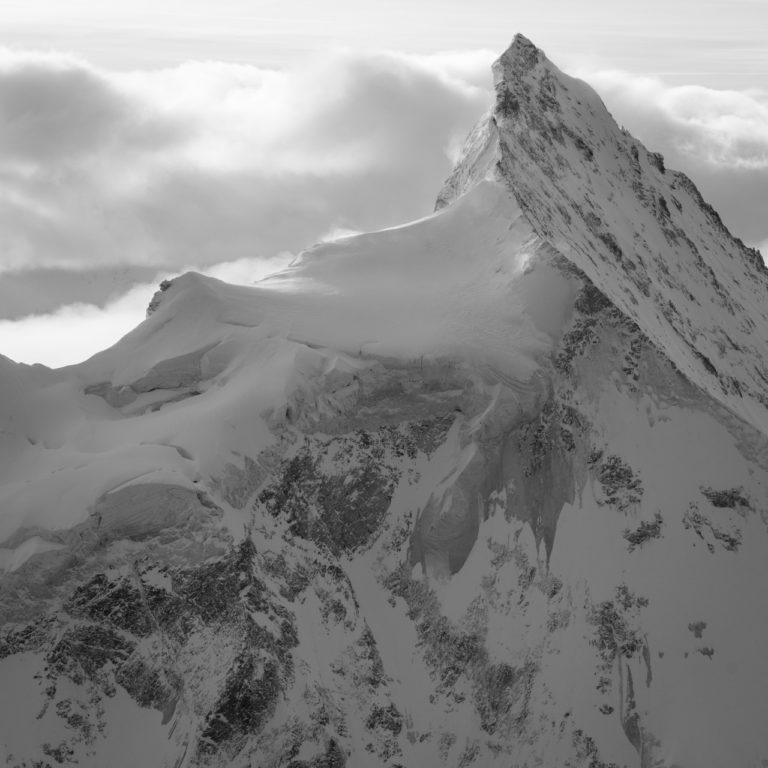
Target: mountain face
<point>487,489</point>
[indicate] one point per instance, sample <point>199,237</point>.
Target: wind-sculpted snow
<point>487,489</point>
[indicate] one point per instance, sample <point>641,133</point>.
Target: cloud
<point>41,291</point>
<point>718,137</point>
<point>73,332</point>
<point>210,162</point>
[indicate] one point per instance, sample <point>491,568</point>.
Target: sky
<point>142,139</point>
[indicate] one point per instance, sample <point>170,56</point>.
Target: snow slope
<point>489,488</point>
<point>195,386</point>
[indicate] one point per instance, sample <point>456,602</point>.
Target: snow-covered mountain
<point>487,489</point>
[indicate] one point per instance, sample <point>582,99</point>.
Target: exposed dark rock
<point>656,159</point>
<point>154,302</point>
<point>621,486</point>
<point>697,627</point>
<point>614,633</point>
<point>84,650</point>
<point>386,718</point>
<point>248,699</point>
<point>343,509</point>
<point>727,498</point>
<point>644,532</point>
<point>708,532</point>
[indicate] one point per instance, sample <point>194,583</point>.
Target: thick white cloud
<point>73,332</point>
<point>212,162</point>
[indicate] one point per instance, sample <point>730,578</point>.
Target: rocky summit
<point>486,489</point>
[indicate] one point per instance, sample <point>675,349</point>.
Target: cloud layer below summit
<point>122,178</point>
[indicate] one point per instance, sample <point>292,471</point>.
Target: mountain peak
<point>521,56</point>
<point>642,233</point>
<point>465,491</point>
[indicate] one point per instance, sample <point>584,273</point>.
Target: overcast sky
<point>721,43</point>
<point>139,139</point>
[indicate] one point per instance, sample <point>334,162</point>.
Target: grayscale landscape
<point>488,488</point>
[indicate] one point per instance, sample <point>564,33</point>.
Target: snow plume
<point>718,137</point>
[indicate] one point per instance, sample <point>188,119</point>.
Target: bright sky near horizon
<point>718,43</point>
<point>140,139</point>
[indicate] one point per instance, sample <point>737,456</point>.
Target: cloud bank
<point>112,181</point>
<point>211,162</point>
